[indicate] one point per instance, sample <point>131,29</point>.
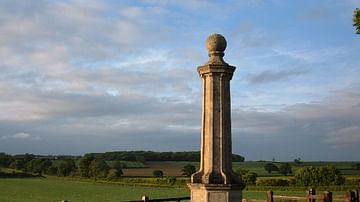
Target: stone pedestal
<point>215,193</point>
<point>215,180</point>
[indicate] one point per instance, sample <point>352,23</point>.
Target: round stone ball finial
<point>216,43</point>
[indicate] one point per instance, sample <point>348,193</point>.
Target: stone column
<point>215,181</point>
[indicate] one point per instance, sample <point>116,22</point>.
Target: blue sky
<point>93,76</point>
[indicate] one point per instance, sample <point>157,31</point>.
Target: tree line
<point>88,167</point>
<point>306,176</point>
<point>95,165</point>
<point>144,156</point>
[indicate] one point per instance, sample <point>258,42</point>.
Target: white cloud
<point>124,71</point>
<point>21,136</point>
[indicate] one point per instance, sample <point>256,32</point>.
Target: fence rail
<point>146,199</point>
<point>350,196</point>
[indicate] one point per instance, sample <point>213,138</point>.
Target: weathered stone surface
<point>215,193</point>
<point>215,180</point>
<point>216,42</point>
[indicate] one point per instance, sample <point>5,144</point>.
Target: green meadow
<point>138,181</point>
<point>56,190</point>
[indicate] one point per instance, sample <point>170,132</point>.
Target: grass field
<point>41,190</point>
<point>73,189</point>
<point>57,189</point>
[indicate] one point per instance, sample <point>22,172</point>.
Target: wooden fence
<point>146,199</point>
<point>311,196</point>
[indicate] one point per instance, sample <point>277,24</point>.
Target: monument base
<point>215,193</point>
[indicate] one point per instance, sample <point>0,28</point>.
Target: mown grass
<point>57,189</point>
<point>40,190</point>
<point>72,189</point>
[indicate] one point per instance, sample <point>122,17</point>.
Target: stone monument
<point>215,181</point>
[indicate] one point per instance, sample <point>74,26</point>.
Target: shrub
<point>285,169</point>
<point>249,178</point>
<point>66,167</point>
<point>188,170</point>
<point>158,173</point>
<point>269,167</point>
<point>52,170</point>
<point>84,165</point>
<point>113,174</point>
<point>319,176</point>
<point>98,168</point>
<point>171,180</point>
<point>356,166</point>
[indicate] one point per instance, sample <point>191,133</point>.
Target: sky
<point>80,76</point>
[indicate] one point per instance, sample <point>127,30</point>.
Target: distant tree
<point>331,176</point>
<point>188,170</point>
<point>319,176</point>
<point>171,180</point>
<point>249,178</point>
<point>158,173</point>
<point>113,174</point>
<point>28,157</point>
<point>298,161</point>
<point>140,158</point>
<point>52,170</point>
<point>237,158</point>
<point>45,164</point>
<point>84,165</point>
<point>118,166</point>
<point>269,167</point>
<point>356,20</point>
<point>5,160</point>
<point>38,166</point>
<point>285,169</point>
<point>356,166</point>
<point>66,167</point>
<point>18,164</point>
<point>143,156</point>
<point>98,168</point>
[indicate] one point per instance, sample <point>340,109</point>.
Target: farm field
<point>173,168</point>
<point>55,190</point>
<point>138,181</point>
<point>170,168</point>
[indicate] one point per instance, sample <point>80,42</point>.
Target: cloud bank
<point>95,76</point>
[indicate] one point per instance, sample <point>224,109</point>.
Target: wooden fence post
<point>350,196</point>
<point>145,198</point>
<point>356,193</point>
<point>270,196</point>
<point>327,196</point>
<point>310,195</point>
